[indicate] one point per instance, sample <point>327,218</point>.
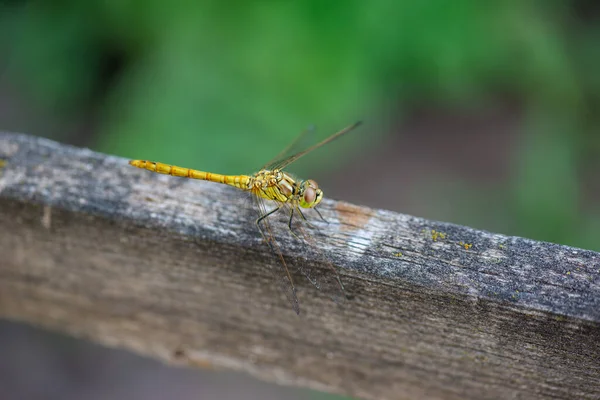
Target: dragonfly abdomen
<point>238,181</point>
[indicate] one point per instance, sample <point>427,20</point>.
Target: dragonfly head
<point>310,194</point>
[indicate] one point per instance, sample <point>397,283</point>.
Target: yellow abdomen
<point>238,181</point>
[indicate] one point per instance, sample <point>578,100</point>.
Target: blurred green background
<point>480,113</point>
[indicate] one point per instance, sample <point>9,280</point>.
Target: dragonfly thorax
<point>280,186</point>
<point>265,179</point>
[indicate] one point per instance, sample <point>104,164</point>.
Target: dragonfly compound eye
<point>310,195</point>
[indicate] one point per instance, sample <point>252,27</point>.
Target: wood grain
<point>175,269</point>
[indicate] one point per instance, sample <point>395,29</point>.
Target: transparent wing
<point>293,148</point>
<point>280,164</point>
<point>325,278</point>
<point>279,271</point>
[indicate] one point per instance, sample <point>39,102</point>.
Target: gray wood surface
<point>175,269</point>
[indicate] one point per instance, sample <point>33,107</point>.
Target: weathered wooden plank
<point>173,269</point>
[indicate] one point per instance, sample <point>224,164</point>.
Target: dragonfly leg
<point>290,223</point>
<point>318,212</point>
<point>307,221</point>
<point>259,219</point>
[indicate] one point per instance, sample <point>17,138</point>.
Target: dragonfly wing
<point>293,148</point>
<point>280,164</point>
<point>325,278</point>
<point>280,271</point>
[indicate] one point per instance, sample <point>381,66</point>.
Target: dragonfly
<point>287,193</point>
